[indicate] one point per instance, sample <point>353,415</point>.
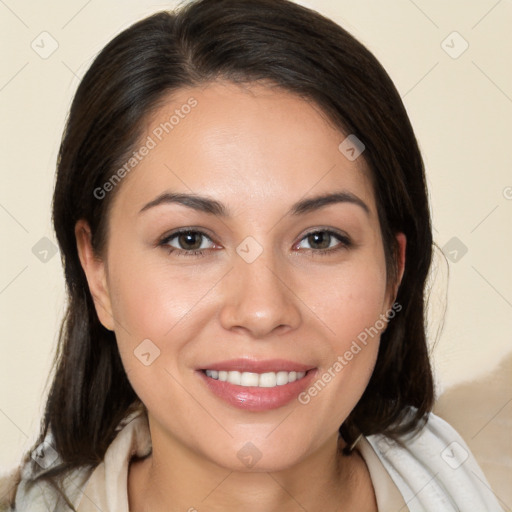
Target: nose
<point>258,298</point>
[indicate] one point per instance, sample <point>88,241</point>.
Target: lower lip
<point>253,398</point>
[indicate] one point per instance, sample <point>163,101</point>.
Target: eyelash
<point>345,242</point>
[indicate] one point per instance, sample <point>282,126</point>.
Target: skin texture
<point>258,151</point>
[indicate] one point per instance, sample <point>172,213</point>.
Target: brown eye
<point>324,242</point>
<point>319,240</point>
<point>187,242</point>
<point>190,240</point>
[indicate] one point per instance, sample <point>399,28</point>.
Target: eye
<point>324,241</point>
<point>187,242</point>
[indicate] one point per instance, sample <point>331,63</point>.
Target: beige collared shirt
<point>389,498</point>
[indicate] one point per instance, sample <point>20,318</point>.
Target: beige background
<point>460,108</point>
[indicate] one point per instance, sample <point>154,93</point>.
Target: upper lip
<point>261,366</point>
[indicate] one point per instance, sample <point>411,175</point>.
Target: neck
<point>174,478</point>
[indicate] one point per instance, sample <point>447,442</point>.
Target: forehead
<point>247,145</point>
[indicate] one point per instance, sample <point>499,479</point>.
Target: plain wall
<point>460,109</point>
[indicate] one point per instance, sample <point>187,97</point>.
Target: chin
<point>262,453</point>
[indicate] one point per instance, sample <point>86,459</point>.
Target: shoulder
<point>19,493</point>
<point>27,493</point>
<point>29,488</point>
<point>35,494</point>
<point>435,470</point>
<point>8,482</point>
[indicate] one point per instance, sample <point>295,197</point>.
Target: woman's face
<point>282,273</point>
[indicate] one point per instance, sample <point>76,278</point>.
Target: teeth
<point>262,380</point>
<point>249,379</point>
<point>267,380</point>
<point>282,378</point>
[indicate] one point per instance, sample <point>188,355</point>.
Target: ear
<point>95,272</point>
<point>402,243</point>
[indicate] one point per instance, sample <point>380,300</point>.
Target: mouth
<point>257,385</point>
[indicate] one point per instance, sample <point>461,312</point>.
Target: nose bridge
<point>256,297</point>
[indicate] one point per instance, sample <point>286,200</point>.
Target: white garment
<point>432,472</point>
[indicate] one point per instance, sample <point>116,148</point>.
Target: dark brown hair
<point>242,41</point>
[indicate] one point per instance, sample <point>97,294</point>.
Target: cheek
<point>149,307</point>
<point>349,299</point>
<point>150,297</point>
<point>350,305</point>
<point>153,300</point>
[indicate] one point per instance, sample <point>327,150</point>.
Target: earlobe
<point>95,272</point>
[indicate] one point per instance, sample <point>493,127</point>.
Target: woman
<point>242,213</point>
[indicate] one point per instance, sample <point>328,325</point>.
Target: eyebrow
<point>213,207</point>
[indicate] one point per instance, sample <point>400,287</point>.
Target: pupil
<point>187,240</point>
<point>321,240</point>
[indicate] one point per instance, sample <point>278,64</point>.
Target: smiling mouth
<point>251,379</point>
<point>257,386</point>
